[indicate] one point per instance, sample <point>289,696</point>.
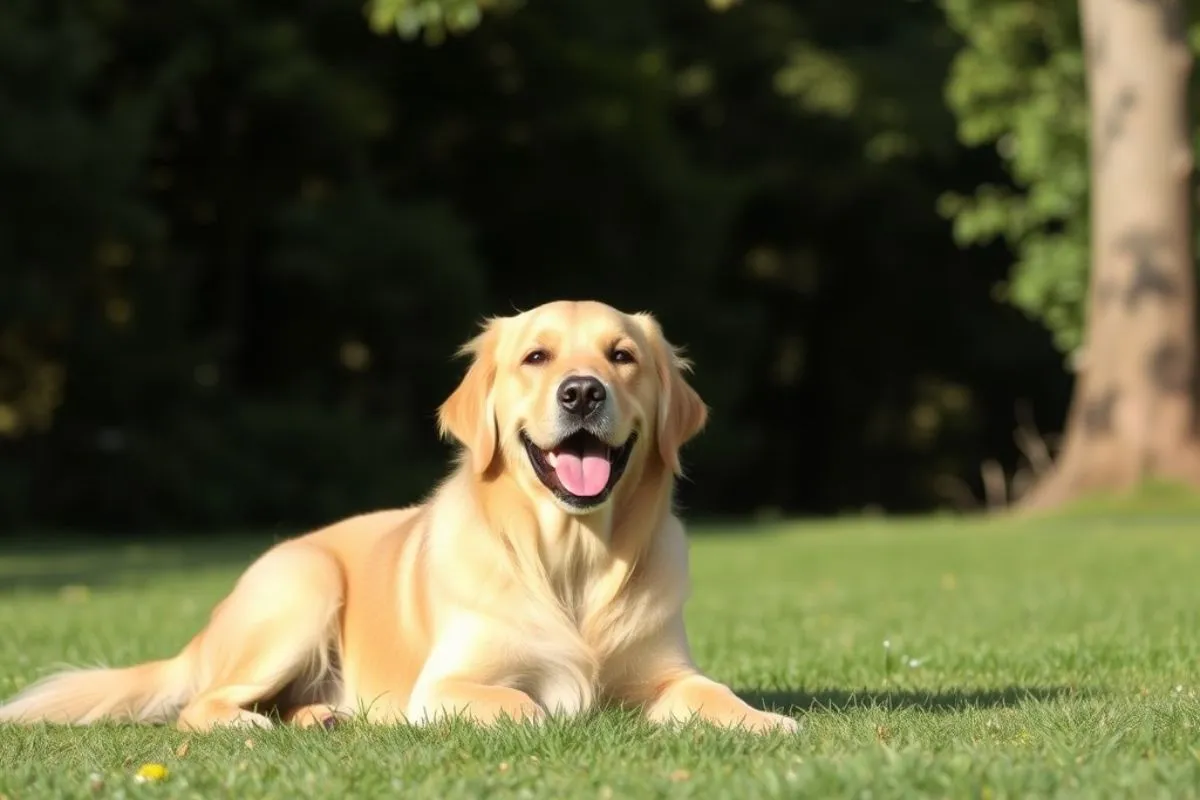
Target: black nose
<point>581,396</point>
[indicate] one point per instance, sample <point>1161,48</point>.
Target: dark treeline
<point>240,241</point>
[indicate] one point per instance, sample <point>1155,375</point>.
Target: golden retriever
<point>546,574</point>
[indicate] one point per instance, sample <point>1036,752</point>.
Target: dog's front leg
<point>688,693</point>
<point>479,702</point>
<point>459,677</point>
<point>659,675</point>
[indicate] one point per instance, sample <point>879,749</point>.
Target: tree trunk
<point>1133,414</point>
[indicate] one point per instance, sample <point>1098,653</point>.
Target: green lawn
<point>1027,659</point>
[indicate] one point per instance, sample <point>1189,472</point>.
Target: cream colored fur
<point>494,598</point>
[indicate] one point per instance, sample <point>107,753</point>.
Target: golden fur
<point>493,598</point>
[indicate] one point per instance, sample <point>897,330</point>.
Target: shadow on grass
<point>839,700</point>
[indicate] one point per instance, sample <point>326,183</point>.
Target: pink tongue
<point>586,476</point>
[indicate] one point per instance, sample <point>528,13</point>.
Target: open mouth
<point>581,470</point>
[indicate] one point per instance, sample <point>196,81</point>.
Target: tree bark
<point>1134,411</point>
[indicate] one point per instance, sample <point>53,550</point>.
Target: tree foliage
<point>434,19</point>
<point>1018,85</point>
<point>248,236</point>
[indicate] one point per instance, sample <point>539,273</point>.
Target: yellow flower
<point>151,772</point>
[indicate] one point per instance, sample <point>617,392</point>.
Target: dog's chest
<point>604,610</point>
<point>571,657</point>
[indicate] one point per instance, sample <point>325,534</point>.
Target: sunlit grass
<point>1025,659</point>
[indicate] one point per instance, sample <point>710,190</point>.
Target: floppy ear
<point>681,412</point>
<point>469,414</point>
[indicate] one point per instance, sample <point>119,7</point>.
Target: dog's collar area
<point>580,446</point>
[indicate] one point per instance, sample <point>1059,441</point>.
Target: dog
<point>545,575</point>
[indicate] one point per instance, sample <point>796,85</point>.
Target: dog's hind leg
<point>275,629</point>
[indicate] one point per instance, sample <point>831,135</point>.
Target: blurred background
<point>240,240</point>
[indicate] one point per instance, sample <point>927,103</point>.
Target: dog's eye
<point>538,356</point>
<point>621,356</point>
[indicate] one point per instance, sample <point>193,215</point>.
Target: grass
<point>1053,658</point>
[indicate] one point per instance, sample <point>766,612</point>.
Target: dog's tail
<point>150,692</point>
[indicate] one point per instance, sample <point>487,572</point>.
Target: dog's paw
<point>769,722</point>
<point>247,719</point>
<point>215,716</point>
<point>319,715</point>
<point>525,712</point>
<point>479,711</point>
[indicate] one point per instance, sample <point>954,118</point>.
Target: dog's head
<point>570,397</point>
